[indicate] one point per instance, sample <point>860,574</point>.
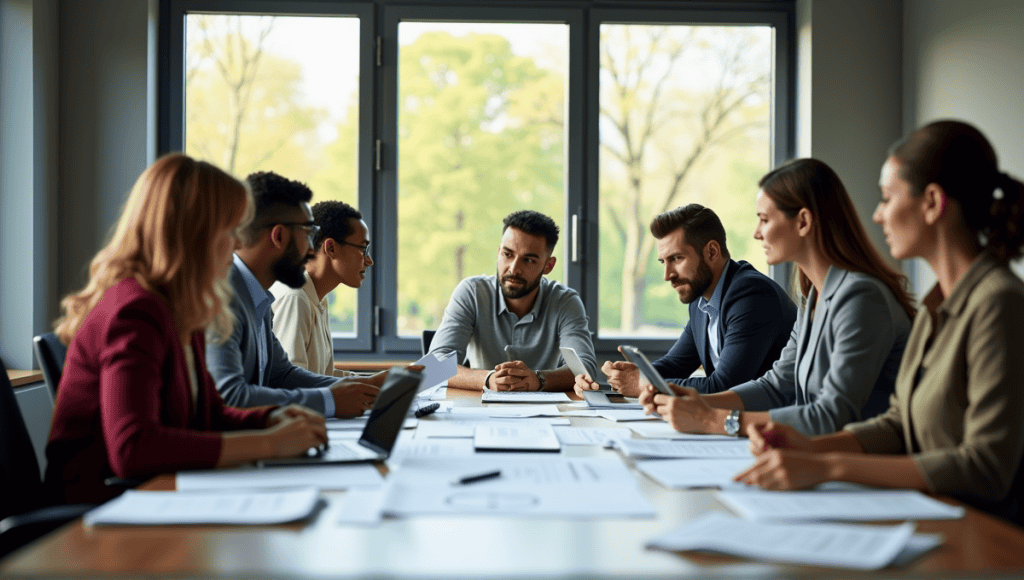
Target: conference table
<point>469,546</point>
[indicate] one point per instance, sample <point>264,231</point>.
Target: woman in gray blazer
<point>844,352</point>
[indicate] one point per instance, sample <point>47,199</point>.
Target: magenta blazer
<point>124,406</point>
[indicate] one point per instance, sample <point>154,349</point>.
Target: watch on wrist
<point>487,378</point>
<point>540,379</point>
<point>732,423</point>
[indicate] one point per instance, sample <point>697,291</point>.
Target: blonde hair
<point>164,239</point>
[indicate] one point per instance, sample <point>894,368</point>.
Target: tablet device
<point>636,357</point>
<point>575,364</point>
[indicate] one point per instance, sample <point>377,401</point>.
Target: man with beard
<point>251,368</point>
<point>740,319</point>
<point>520,308</point>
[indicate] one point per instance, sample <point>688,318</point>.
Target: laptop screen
<point>389,410</point>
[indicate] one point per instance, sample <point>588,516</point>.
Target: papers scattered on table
<point>662,430</point>
<point>359,423</point>
<point>598,400</point>
<point>135,507</point>
<point>515,437</point>
<point>689,473</point>
<point>588,436</point>
<point>870,505</point>
<point>436,448</point>
<point>736,448</point>
<point>504,412</point>
<point>618,415</point>
<point>490,396</point>
<point>317,476</point>
<point>466,427</point>
<point>529,485</point>
<point>436,371</point>
<point>839,545</point>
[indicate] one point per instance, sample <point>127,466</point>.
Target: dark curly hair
<point>274,195</point>
<point>333,218</point>
<point>533,223</point>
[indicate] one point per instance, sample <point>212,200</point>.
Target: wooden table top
<point>22,378</point>
<point>468,547</point>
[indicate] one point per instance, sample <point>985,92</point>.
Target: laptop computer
<point>381,430</point>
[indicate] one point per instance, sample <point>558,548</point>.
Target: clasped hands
<point>514,376</point>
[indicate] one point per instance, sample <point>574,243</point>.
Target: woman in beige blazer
<point>956,421</point>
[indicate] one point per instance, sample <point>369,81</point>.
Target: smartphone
<point>575,364</point>
<point>510,354</point>
<point>638,358</point>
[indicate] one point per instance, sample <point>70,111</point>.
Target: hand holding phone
<point>638,358</point>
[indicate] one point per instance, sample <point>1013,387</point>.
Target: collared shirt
<point>958,409</point>
<point>713,308</point>
<point>302,324</point>
<point>262,300</point>
<point>477,323</point>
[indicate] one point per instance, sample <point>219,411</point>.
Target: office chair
<point>50,352</point>
<point>428,336</point>
<point>24,511</point>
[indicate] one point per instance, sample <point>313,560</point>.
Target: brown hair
<point>958,158</point>
<point>700,226</point>
<point>811,184</point>
<point>172,214</point>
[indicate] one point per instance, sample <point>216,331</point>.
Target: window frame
<point>377,300</point>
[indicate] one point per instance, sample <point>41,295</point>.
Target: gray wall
<point>965,60</point>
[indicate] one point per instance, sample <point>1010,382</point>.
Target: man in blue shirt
<point>740,319</point>
<point>520,308</point>
<point>251,368</point>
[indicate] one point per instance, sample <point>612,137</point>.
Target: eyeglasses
<point>311,229</point>
<point>365,249</point>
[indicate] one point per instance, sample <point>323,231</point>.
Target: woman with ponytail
<point>956,421</point>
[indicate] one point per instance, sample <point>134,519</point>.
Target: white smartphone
<point>575,363</point>
<point>638,358</point>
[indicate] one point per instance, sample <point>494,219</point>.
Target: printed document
<point>839,545</point>
<point>880,505</point>
<point>662,430</point>
<point>689,473</point>
<point>136,507</point>
<point>588,435</point>
<point>515,437</point>
<point>317,476</point>
<point>490,396</point>
<point>436,372</point>
<point>679,449</point>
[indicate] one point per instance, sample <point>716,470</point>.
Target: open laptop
<point>381,430</point>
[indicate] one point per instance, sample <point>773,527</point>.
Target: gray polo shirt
<point>478,324</point>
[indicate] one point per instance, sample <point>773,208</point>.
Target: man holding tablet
<point>740,319</point>
<point>518,308</point>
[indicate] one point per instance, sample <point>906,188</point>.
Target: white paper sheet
<point>436,448</point>
<point>359,423</point>
<point>588,435</point>
<point>619,415</point>
<point>873,505</point>
<point>839,545</point>
<point>317,476</point>
<point>136,507</point>
<point>466,427</point>
<point>490,396</point>
<point>690,473</point>
<point>363,506</point>
<point>436,371</point>
<point>529,485</point>
<point>438,393</point>
<point>515,437</point>
<point>736,448</point>
<point>506,411</point>
<point>662,430</point>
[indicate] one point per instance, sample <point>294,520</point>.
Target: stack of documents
<point>735,449</point>
<point>323,477</point>
<point>135,507</point>
<point>826,504</point>
<point>490,396</point>
<point>691,473</point>
<point>839,545</point>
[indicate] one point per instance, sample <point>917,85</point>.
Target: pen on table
<point>477,477</point>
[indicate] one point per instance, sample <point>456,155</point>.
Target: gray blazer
<point>840,366</point>
<point>233,364</point>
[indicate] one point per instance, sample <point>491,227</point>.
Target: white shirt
<point>302,324</point>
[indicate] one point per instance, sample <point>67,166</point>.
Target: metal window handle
<point>575,238</point>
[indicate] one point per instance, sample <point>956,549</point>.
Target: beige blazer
<point>958,407</point>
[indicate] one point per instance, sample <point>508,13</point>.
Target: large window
<point>438,120</point>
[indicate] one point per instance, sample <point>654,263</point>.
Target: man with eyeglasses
<point>251,368</point>
<point>341,256</point>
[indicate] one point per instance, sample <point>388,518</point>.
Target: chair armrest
<point>18,530</point>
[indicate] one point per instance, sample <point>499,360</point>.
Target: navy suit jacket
<point>754,325</point>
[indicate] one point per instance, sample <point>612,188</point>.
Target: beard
<point>290,269</point>
<point>699,284</point>
<point>512,294</point>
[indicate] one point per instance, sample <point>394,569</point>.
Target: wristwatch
<point>540,379</point>
<point>732,423</point>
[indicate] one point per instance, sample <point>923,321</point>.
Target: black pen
<point>426,410</point>
<point>478,477</point>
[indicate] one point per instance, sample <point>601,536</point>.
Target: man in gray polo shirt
<point>517,307</point>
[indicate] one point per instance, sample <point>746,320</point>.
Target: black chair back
<point>50,352</point>
<point>428,336</point>
<point>19,470</point>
